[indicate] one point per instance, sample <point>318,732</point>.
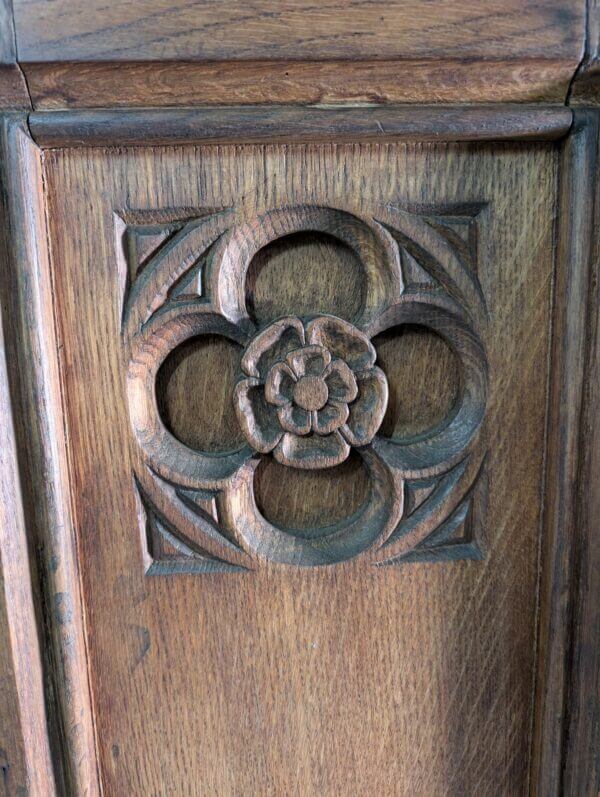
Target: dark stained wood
<point>416,357</point>
<point>179,84</point>
<point>263,123</point>
<point>563,536</point>
<point>32,358</point>
<point>155,30</point>
<point>25,763</point>
<point>418,675</point>
<point>364,560</point>
<point>13,89</point>
<point>176,54</point>
<point>8,48</point>
<point>582,739</point>
<point>585,88</point>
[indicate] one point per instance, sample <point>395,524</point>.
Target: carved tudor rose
<point>313,390</point>
<point>308,391</point>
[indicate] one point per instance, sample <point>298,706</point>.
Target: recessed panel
<point>307,438</point>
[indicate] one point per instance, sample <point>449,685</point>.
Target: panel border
<point>32,356</point>
<point>564,541</point>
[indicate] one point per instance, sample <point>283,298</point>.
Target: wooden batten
<point>289,123</point>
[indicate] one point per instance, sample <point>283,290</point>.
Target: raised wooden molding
<point>169,53</point>
<point>33,372</point>
<point>25,756</point>
<point>581,770</point>
<point>563,538</point>
<point>13,89</point>
<point>291,123</point>
<point>55,86</point>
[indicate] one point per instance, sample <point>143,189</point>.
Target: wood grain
<point>8,42</point>
<point>263,123</point>
<point>416,357</point>
<point>585,86</point>
<point>582,732</point>
<point>418,676</point>
<point>154,30</point>
<point>54,86</point>
<point>32,360</point>
<point>13,89</point>
<point>562,535</point>
<point>25,757</point>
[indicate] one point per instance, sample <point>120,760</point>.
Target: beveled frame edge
<point>288,123</point>
<point>582,737</point>
<point>26,759</point>
<point>32,357</point>
<point>566,646</point>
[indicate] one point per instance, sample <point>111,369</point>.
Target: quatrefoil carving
<point>308,391</point>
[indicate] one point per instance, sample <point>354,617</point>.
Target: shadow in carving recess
<point>167,551</point>
<point>306,501</point>
<point>423,376</point>
<point>194,387</point>
<point>304,273</point>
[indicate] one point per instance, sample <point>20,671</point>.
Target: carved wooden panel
<point>309,388</point>
<point>305,394</point>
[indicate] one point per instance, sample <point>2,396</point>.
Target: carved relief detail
<point>312,391</point>
<point>309,390</point>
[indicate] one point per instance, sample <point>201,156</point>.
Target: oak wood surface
<point>165,53</point>
<point>31,355</point>
<point>25,761</point>
<point>582,731</point>
<point>170,83</point>
<point>411,679</point>
<point>13,89</point>
<point>291,123</point>
<point>585,86</point>
<point>153,30</point>
<point>562,535</point>
<point>177,53</point>
<point>443,673</point>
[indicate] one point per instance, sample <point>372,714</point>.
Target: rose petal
<point>331,417</point>
<point>341,382</point>
<point>257,418</point>
<point>308,361</point>
<point>311,452</point>
<point>271,346</point>
<point>366,413</point>
<point>343,340</point>
<point>294,419</point>
<point>279,387</point>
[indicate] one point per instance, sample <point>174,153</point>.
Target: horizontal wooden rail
<point>151,127</point>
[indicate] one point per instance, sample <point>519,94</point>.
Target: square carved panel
<point>305,393</point>
<point>308,388</point>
